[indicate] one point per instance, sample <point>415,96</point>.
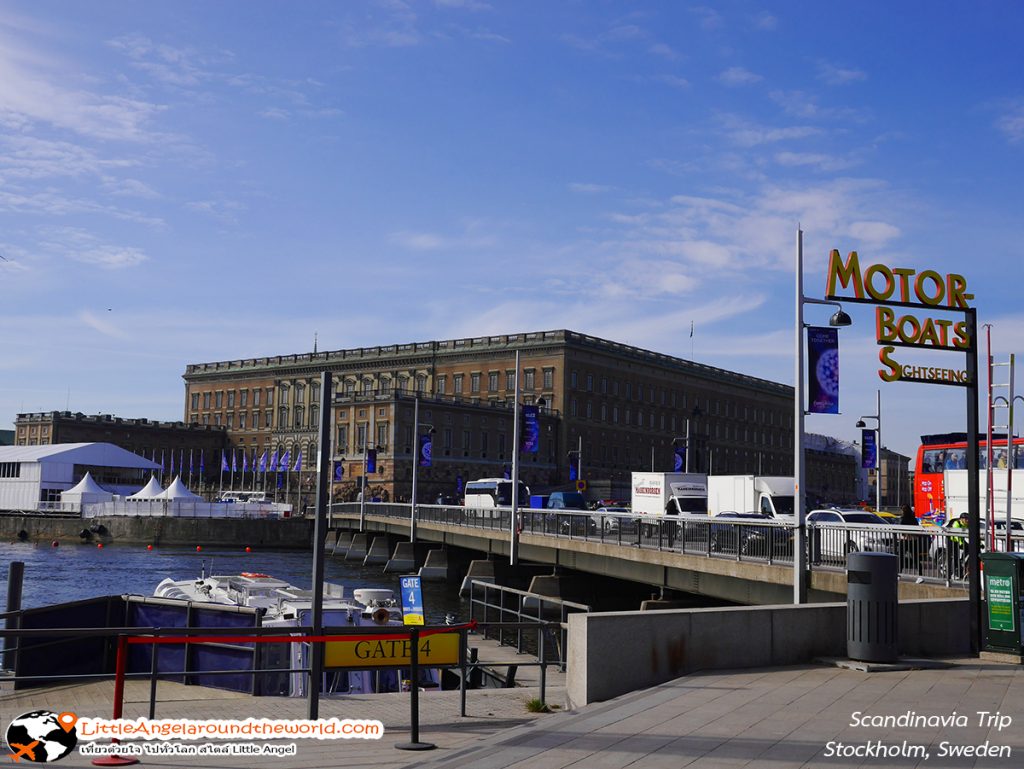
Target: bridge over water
<point>744,562</point>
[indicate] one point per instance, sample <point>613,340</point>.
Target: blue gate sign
<point>412,601</point>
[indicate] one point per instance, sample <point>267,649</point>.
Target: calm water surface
<point>72,572</point>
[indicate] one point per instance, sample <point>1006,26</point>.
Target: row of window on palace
<point>295,392</point>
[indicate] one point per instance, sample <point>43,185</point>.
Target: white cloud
<point>819,161</point>
<point>274,113</point>
<point>82,246</point>
<point>34,89</point>
<point>469,240</point>
<point>833,75</point>
<point>665,51</point>
<point>873,233</point>
<point>748,134</point>
<point>766,21</point>
<point>589,188</point>
<point>1011,123</point>
<point>225,211</point>
<point>673,80</point>
<point>803,105</point>
<point>102,325</point>
<point>709,18</point>
<point>737,76</point>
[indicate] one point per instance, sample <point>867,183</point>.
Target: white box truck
<point>670,493</point>
<point>770,494</point>
<point>955,489</point>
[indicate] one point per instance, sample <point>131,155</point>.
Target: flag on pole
<point>234,461</point>
<point>224,462</point>
<point>273,461</point>
<point>298,462</point>
<point>245,461</point>
<point>163,464</point>
<point>691,329</point>
<point>285,459</point>
<point>202,465</point>
<point>190,465</point>
<point>263,462</point>
<point>172,462</point>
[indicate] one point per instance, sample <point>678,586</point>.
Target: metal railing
<point>928,553</point>
<point>508,609</point>
<point>241,638</point>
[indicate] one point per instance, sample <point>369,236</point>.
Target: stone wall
<point>618,652</point>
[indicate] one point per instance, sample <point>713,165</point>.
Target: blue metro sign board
<point>412,601</point>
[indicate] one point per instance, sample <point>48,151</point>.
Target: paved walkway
<point>777,718</point>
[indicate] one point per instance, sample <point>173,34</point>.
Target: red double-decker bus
<point>948,451</point>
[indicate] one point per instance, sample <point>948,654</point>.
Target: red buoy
<point>248,549</point>
<point>99,545</point>
<point>199,548</point>
<point>55,543</point>
<point>149,547</point>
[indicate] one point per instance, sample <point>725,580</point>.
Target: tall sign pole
<point>323,467</point>
<point>799,504</point>
<point>973,496</point>
<point>415,463</point>
<point>513,551</point>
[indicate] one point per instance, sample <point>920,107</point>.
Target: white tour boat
<point>284,605</point>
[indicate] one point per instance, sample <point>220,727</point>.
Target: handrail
<point>767,541</point>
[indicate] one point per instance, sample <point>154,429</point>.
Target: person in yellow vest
<point>958,545</point>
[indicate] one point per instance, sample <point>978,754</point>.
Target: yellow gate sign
<point>392,651</point>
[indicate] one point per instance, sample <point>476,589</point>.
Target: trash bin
<point>1004,611</point>
<point>872,606</point>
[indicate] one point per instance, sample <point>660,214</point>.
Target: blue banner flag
<point>273,461</point>
<point>869,452</point>
<point>245,461</point>
<point>458,484</point>
<point>426,450</point>
<point>298,462</point>
<point>679,459</point>
<point>531,430</point>
<point>339,472</point>
<point>263,462</point>
<point>507,473</point>
<point>823,370</point>
<point>224,461</point>
<point>172,463</point>
<point>371,461</point>
<point>202,464</point>
<point>234,461</point>
<point>286,458</point>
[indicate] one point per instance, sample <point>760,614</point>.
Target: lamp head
<point>840,318</point>
<point>860,423</point>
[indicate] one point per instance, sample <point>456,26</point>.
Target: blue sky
<point>193,181</point>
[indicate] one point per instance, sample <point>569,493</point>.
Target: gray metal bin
<point>872,606</point>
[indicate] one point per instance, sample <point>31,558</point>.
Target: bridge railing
<point>925,552</point>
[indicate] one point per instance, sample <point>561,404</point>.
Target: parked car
<point>834,544</point>
<point>758,541</point>
<point>612,518</point>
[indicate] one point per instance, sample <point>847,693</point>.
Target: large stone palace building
<point>620,408</point>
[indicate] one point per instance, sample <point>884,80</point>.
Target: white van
<point>489,493</point>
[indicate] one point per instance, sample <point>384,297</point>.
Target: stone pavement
<point>488,711</point>
<point>776,718</point>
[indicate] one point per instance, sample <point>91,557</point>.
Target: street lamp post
<point>415,464</point>
<point>877,416</point>
<point>839,318</point>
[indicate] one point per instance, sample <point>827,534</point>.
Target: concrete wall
<point>295,532</point>
<point>618,652</point>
